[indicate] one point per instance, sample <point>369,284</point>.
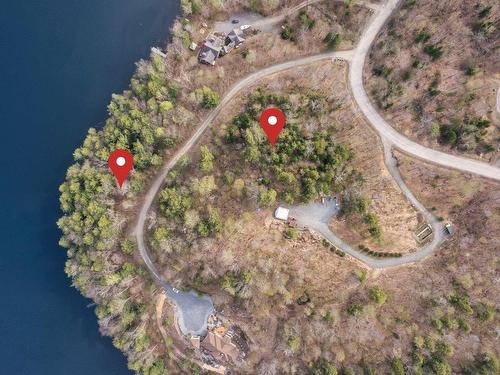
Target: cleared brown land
<point>434,70</point>
<point>282,269</point>
<point>397,218</point>
<point>418,295</point>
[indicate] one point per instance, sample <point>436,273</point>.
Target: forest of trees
<point>301,166</point>
<point>99,263</point>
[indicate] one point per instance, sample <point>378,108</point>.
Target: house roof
<point>211,49</point>
<point>222,344</point>
<point>208,56</point>
<point>236,36</point>
<point>214,42</point>
<point>227,48</point>
<point>281,213</point>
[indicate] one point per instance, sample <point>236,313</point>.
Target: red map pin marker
<point>121,163</point>
<point>272,121</point>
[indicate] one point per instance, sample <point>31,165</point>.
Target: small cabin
<point>281,213</point>
<point>450,229</point>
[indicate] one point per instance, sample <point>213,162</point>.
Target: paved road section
<point>192,309</point>
<point>382,127</point>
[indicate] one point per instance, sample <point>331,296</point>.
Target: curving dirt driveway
<point>317,217</point>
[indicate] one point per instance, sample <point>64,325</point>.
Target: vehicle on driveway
<point>244,27</point>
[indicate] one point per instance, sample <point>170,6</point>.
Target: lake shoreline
<point>64,62</point>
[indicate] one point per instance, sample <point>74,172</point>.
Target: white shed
<point>281,213</point>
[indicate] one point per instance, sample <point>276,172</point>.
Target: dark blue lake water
<point>60,62</point>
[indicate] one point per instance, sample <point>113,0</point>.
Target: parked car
<point>235,21</point>
<point>175,290</point>
<point>244,27</point>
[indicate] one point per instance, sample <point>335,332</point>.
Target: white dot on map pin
<point>272,120</point>
<point>120,161</point>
